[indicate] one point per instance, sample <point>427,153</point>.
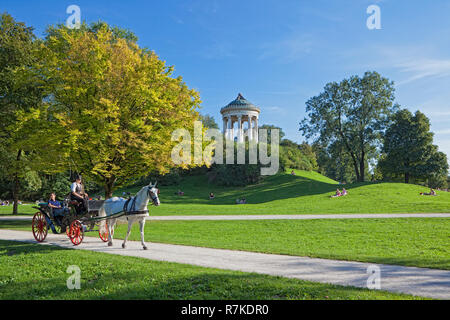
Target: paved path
<point>278,217</point>
<point>415,281</point>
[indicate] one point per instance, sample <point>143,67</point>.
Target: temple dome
<point>240,103</point>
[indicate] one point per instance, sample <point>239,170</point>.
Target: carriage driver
<point>77,194</point>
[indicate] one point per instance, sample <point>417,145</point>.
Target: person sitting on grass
<point>344,192</point>
<point>432,193</point>
<point>211,196</point>
<point>179,193</point>
<point>337,194</point>
<point>293,172</point>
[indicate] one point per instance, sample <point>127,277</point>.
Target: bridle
<point>152,195</point>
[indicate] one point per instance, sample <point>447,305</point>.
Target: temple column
<point>240,133</point>
<point>232,129</point>
<point>250,129</point>
<point>224,125</point>
<point>256,130</point>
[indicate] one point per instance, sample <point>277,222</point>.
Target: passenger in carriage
<point>58,210</point>
<point>77,194</point>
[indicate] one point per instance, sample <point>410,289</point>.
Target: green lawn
<point>25,209</point>
<point>30,271</point>
<point>304,193</point>
<point>408,241</point>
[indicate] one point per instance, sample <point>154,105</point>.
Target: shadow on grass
<point>172,285</point>
<point>278,187</point>
<point>15,224</point>
<point>10,248</point>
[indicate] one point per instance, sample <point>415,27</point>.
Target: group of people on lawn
<point>339,193</point>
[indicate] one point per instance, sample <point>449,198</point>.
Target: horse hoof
<point>145,248</point>
<point>123,245</point>
<point>109,244</point>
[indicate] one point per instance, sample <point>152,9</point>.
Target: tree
<point>208,121</point>
<point>297,156</point>
<point>111,109</point>
<point>334,162</point>
<point>409,151</point>
<point>19,91</point>
<point>353,113</point>
<point>269,127</point>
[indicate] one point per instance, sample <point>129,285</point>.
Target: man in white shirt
<point>77,194</point>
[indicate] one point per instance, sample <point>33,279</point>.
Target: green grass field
<point>410,241</point>
<point>305,193</point>
<point>30,271</point>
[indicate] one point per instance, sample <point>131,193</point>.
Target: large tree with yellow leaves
<point>111,106</point>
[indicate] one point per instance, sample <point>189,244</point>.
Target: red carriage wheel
<point>76,232</point>
<point>103,234</point>
<point>39,227</point>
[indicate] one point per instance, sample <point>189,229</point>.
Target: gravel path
<point>416,281</point>
<point>278,217</point>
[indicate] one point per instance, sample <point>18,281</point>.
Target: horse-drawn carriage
<point>45,219</point>
<point>100,213</point>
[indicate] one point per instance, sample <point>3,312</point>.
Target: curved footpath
<point>278,216</point>
<point>416,281</point>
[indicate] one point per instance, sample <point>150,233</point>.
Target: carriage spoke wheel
<point>103,233</point>
<point>39,227</point>
<point>76,232</point>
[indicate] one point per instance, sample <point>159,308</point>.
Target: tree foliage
<point>19,91</point>
<point>208,121</point>
<point>409,151</point>
<point>297,156</point>
<point>111,106</point>
<point>351,115</point>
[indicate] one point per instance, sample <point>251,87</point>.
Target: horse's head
<point>153,193</point>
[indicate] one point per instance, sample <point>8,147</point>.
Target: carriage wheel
<point>39,227</point>
<point>103,235</point>
<point>76,233</point>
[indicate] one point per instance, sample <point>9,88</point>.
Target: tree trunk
<point>109,185</point>
<point>355,164</point>
<point>16,185</point>
<point>16,194</point>
<point>362,167</point>
<point>406,177</point>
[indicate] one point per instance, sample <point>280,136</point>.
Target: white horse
<point>136,208</point>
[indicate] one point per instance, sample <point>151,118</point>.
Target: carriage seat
<point>46,208</point>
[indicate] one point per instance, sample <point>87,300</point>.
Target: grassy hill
<point>304,193</point>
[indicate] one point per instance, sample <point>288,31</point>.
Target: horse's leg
<point>111,223</point>
<point>130,223</point>
<point>141,226</point>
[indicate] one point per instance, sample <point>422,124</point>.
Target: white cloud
<point>424,68</point>
<point>443,132</point>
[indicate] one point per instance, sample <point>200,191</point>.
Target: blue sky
<point>278,54</point>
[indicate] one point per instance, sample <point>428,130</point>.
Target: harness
<point>132,210</point>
